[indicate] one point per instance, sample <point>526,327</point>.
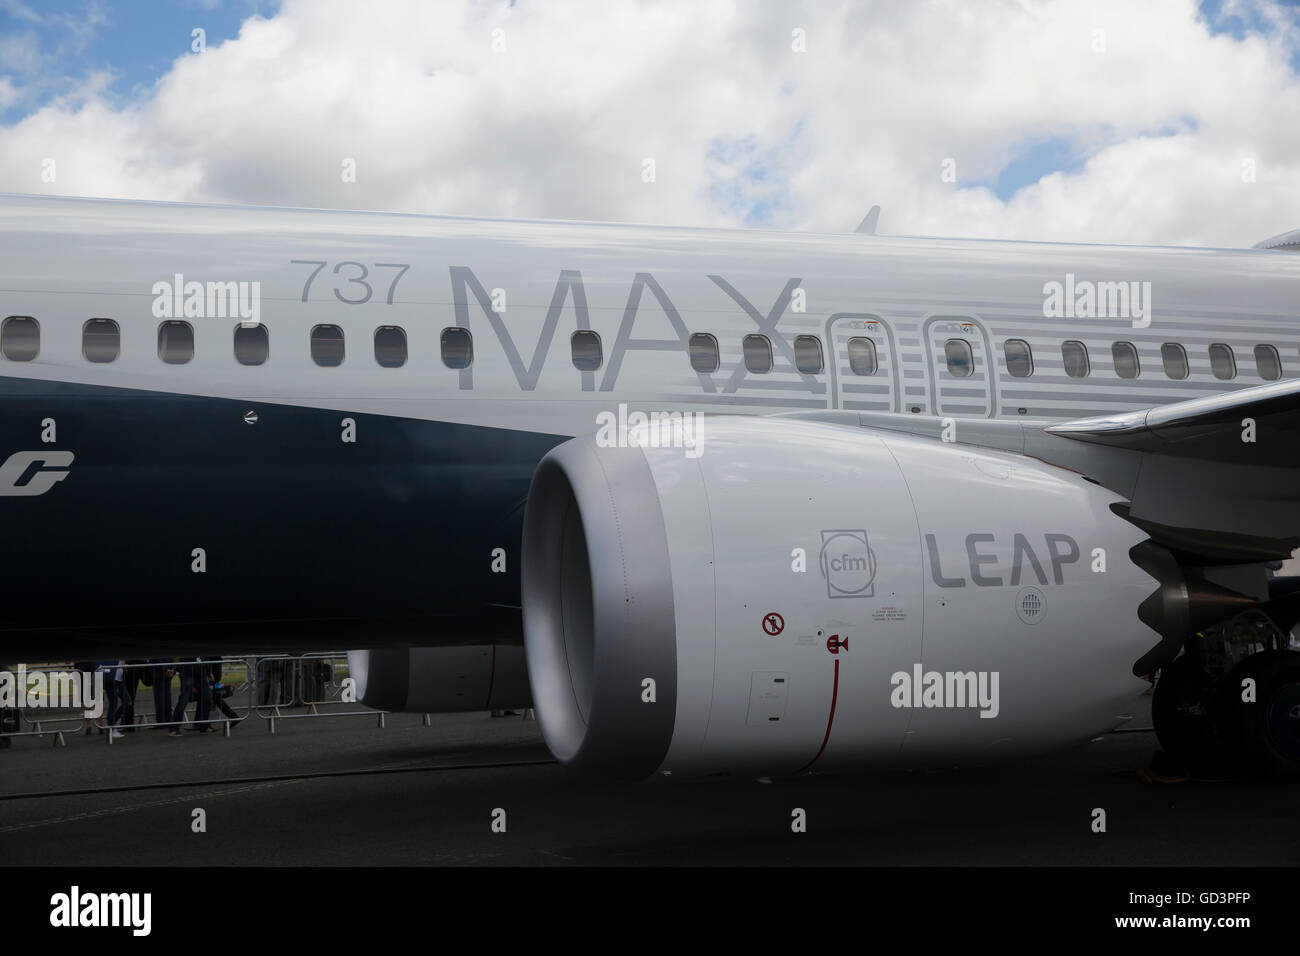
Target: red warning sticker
<point>773,624</point>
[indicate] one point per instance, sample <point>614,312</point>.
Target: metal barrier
<point>171,672</point>
<point>297,680</point>
<point>47,715</point>
<point>273,683</point>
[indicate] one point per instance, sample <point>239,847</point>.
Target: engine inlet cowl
<point>598,609</point>
<point>809,596</point>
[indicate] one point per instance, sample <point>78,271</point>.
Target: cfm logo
<point>28,473</point>
<point>848,564</point>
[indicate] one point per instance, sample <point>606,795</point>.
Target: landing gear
<point>1267,728</point>
<point>1182,710</point>
<point>1219,717</point>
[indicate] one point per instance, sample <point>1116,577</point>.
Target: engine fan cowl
<point>755,607</point>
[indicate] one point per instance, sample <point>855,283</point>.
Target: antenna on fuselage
<point>867,226</point>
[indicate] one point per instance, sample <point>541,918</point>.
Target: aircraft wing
<point>1216,477</point>
<point>1250,426</point>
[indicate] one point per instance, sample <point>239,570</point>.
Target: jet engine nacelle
<point>440,679</point>
<point>812,596</point>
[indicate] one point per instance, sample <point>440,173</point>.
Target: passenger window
<point>960,359</point>
<point>862,356</point>
<point>101,341</point>
<point>1125,357</point>
<point>20,338</point>
<point>457,348</point>
<point>1075,356</point>
<point>704,352</point>
<point>758,353</point>
<point>327,346</point>
<point>1174,358</point>
<point>1268,363</point>
<point>175,342</point>
<point>1020,359</point>
<point>252,345</point>
<point>585,348</point>
<point>1222,362</point>
<point>390,346</point>
<point>808,354</point>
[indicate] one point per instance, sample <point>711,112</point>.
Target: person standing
<point>132,676</point>
<point>162,690</point>
<point>193,677</point>
<point>115,692</point>
<point>212,666</point>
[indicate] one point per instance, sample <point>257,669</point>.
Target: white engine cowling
<point>440,680</point>
<point>811,596</point>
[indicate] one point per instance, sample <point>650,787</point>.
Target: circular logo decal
<point>848,564</point>
<point>1031,605</point>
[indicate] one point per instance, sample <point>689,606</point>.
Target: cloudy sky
<point>1166,121</point>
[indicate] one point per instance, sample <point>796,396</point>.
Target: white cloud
<point>19,11</point>
<point>738,123</point>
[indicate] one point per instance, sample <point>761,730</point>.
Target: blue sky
<point>1235,20</point>
<point>1033,160</point>
<point>136,40</point>
<point>745,129</point>
<point>1240,20</point>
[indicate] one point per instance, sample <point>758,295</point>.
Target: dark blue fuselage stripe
<point>298,528</point>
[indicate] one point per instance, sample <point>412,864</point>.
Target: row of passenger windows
<point>1124,355</point>
<point>1074,357</point>
<point>101,342</point>
<point>20,341</point>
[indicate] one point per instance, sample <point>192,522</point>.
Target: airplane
<point>711,501</point>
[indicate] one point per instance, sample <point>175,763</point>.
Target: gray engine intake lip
<point>598,609</point>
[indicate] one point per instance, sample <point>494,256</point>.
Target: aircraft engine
<point>787,595</point>
<point>440,679</point>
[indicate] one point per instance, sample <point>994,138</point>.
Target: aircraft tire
<point>1267,729</point>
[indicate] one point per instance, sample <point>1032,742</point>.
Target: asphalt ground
<point>343,791</point>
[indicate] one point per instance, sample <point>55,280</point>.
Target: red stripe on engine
<point>835,693</point>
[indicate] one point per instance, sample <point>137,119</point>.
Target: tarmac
<point>343,790</point>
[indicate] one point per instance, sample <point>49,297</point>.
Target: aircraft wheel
<point>1267,728</point>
